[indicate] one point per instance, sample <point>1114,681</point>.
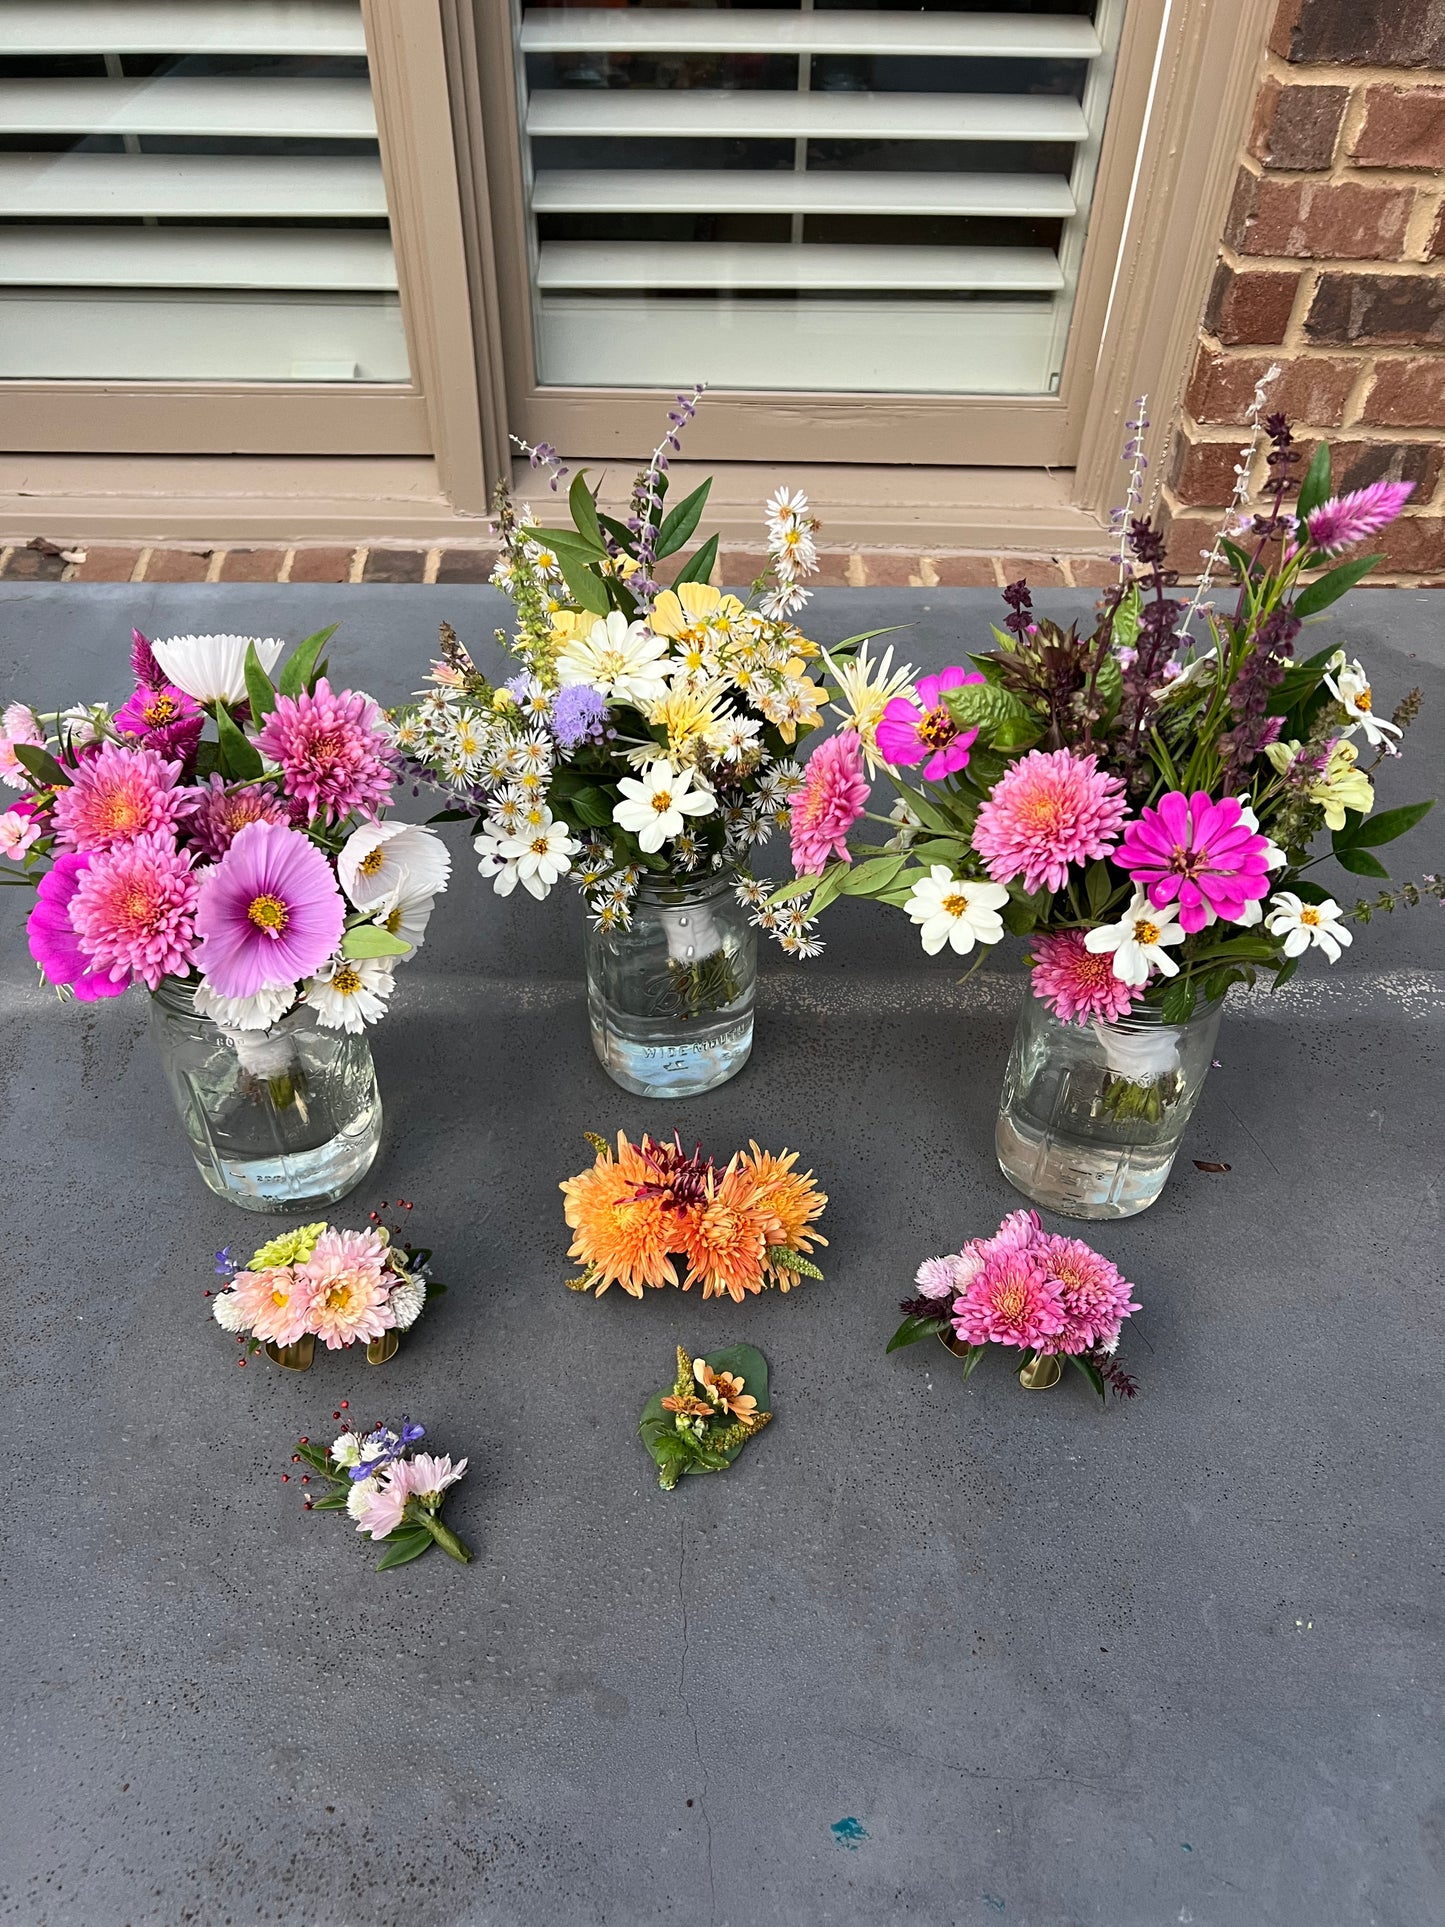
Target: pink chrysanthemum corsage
<point>392,1492</point>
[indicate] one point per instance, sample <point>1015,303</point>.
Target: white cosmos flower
<point>624,661</point>
<point>1301,924</point>
<point>260,1012</point>
<point>347,1450</point>
<point>960,911</point>
<point>348,993</point>
<point>226,1309</point>
<point>383,860</point>
<point>405,913</point>
<point>538,856</point>
<point>1138,941</point>
<point>655,805</point>
<point>408,1296</point>
<point>213,668</point>
<point>1350,688</point>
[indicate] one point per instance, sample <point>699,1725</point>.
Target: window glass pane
<point>193,191</point>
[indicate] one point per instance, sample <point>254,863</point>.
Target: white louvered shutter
<point>822,196</point>
<point>191,190</point>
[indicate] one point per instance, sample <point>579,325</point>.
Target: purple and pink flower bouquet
<point>391,1491</point>
<point>1047,1297</point>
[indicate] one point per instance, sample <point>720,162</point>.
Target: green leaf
<point>333,1502</point>
<point>1308,892</point>
<point>1177,1003</point>
<point>983,705</point>
<point>1098,887</point>
<point>799,887</point>
<point>42,766</point>
<point>566,542</point>
<point>878,871</point>
<point>700,567</point>
<point>583,504</point>
<point>1333,584</point>
<point>452,816</point>
<point>1286,971</point>
<point>370,940</point>
<point>296,672</point>
<point>587,590</point>
<point>667,1445</point>
<point>1299,683</point>
<point>240,759</point>
<point>930,809</point>
<point>975,1353</point>
<point>1315,488</point>
<point>1360,863</point>
<point>619,531</point>
<point>402,1546</point>
<point>679,523</point>
<point>1091,1372</point>
<point>1235,556</point>
<point>831,886</point>
<point>591,806</point>
<point>1017,735</point>
<point>911,1330</point>
<point>1384,828</point>
<point>260,690</point>
<point>1126,619</point>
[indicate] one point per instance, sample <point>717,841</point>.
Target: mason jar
<point>285,1119</point>
<point>670,999</point>
<point>1092,1115</point>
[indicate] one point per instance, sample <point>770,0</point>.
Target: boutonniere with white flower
<point>391,1491</point>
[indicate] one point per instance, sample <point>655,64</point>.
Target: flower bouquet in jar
<point>1145,801</point>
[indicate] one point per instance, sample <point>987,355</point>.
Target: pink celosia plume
<point>1346,519</point>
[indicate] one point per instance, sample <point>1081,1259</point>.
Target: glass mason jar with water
<point>670,999</point>
<point>285,1119</point>
<point>1092,1115</point>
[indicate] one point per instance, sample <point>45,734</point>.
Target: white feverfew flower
<point>260,1012</point>
<point>1140,940</point>
<point>542,854</point>
<point>656,805</point>
<point>1350,687</point>
<point>408,1296</point>
<point>348,993</point>
<point>623,661</point>
<point>958,911</point>
<point>213,668</point>
<point>1302,924</point>
<point>226,1310</point>
<point>346,1451</point>
<point>381,860</point>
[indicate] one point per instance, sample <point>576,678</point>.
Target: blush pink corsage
<point>391,1492</point>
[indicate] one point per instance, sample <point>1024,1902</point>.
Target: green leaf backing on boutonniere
<point>710,1439</point>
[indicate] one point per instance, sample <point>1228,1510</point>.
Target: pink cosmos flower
<point>53,941</point>
<point>332,748</point>
<point>1051,809</point>
<point>1012,1300</point>
<point>1096,1298</point>
<point>164,719</point>
<point>19,724</point>
<point>1345,519</point>
<point>118,794</point>
<point>908,732</point>
<point>349,1299</point>
<point>275,1304</point>
<point>268,914</point>
<point>1199,851</point>
<point>830,802</point>
<point>379,1510</point>
<point>18,830</point>
<point>221,812</point>
<point>1078,986</point>
<point>133,909</point>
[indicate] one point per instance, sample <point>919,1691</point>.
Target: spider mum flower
<point>349,1292</point>
<point>925,732</point>
<point>333,749</point>
<point>1345,519</point>
<point>274,1304</point>
<point>622,1233</point>
<point>268,913</point>
<point>1051,809</point>
<point>1202,853</point>
<point>133,911</point>
<point>1078,984</point>
<point>220,813</point>
<point>789,1196</point>
<point>1011,1300</point>
<point>833,797</point>
<point>164,719</point>
<point>54,944</point>
<point>727,1242</point>
<point>1094,1295</point>
<point>116,795</point>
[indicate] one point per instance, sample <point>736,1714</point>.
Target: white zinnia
<point>348,993</point>
<point>406,1301</point>
<point>260,1012</point>
<point>1301,924</point>
<point>226,1309</point>
<point>960,911</point>
<point>536,858</point>
<point>382,860</point>
<point>654,806</point>
<point>1138,941</point>
<point>622,660</point>
<point>213,668</point>
<point>1350,687</point>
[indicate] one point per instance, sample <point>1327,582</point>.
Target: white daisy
<point>1138,941</point>
<point>260,1012</point>
<point>655,805</point>
<point>1302,924</point>
<point>542,854</point>
<point>1350,688</point>
<point>213,668</point>
<point>960,911</point>
<point>733,737</point>
<point>625,661</point>
<point>383,860</point>
<point>348,993</point>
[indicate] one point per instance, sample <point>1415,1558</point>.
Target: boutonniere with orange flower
<point>644,1208</point>
<point>713,1409</point>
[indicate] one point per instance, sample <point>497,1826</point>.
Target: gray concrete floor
<point>1175,1662</point>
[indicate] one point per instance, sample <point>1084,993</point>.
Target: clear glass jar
<point>1092,1115</point>
<point>670,1000</point>
<point>280,1120</point>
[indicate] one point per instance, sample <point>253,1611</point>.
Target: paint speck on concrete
<point>992,1900</point>
<point>849,1832</point>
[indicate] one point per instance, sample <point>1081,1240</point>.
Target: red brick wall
<point>1333,265</point>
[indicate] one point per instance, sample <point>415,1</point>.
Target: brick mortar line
<point>1315,350</point>
<point>1317,73</point>
<point>1226,434</point>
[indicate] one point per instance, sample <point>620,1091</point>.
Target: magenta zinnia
<point>118,794</point>
<point>133,909</point>
<point>221,812</point>
<point>332,748</point>
<point>830,802</point>
<point>1011,1300</point>
<point>269,913</point>
<point>1051,809</point>
<point>925,732</point>
<point>1345,519</point>
<point>1078,986</point>
<point>53,941</point>
<point>1199,851</point>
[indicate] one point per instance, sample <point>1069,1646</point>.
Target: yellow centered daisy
<point>268,913</point>
<point>956,904</point>
<point>346,979</point>
<point>1309,915</point>
<point>372,861</point>
<point>1146,932</point>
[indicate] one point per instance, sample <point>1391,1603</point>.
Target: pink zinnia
<point>1200,852</point>
<point>349,1299</point>
<point>908,732</point>
<point>268,914</point>
<point>1012,1300</point>
<point>1051,809</point>
<point>221,812</point>
<point>19,724</point>
<point>1345,519</point>
<point>133,911</point>
<point>164,719</point>
<point>118,794</point>
<point>275,1304</point>
<point>53,941</point>
<point>332,748</point>
<point>1096,1298</point>
<point>1078,986</point>
<point>830,802</point>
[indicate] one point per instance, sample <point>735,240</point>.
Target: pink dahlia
<point>1051,809</point>
<point>332,748</point>
<point>221,812</point>
<point>1012,1300</point>
<point>53,941</point>
<point>133,911</point>
<point>830,802</point>
<point>1095,1297</point>
<point>268,914</point>
<point>349,1296</point>
<point>909,732</point>
<point>275,1304</point>
<point>1345,519</point>
<point>19,724</point>
<point>164,719</point>
<point>118,794</point>
<point>1199,851</point>
<point>1078,986</point>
